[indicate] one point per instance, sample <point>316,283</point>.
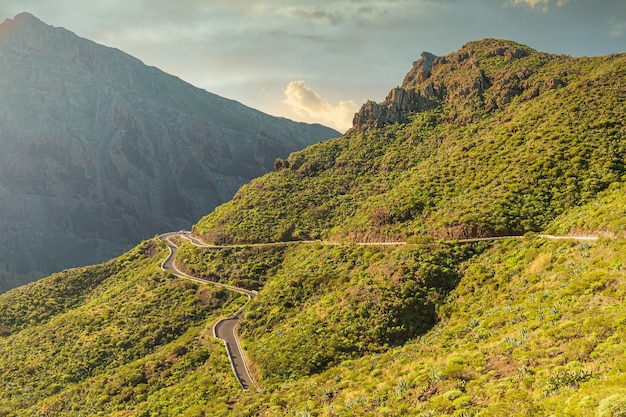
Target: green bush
<point>612,406</point>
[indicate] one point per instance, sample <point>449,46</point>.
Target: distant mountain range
<point>98,150</point>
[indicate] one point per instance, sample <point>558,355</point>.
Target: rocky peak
<point>26,18</point>
<point>24,30</point>
<point>6,29</point>
<point>402,101</point>
<point>421,70</point>
<point>488,48</point>
<point>397,106</point>
<point>481,77</point>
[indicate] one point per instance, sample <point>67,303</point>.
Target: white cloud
<point>618,30</point>
<point>542,4</point>
<point>312,107</point>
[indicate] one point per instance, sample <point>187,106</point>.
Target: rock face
<point>98,151</point>
<point>421,69</point>
<point>463,84</point>
<point>397,106</point>
<point>401,101</point>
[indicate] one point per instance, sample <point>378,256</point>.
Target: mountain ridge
<point>428,84</point>
<point>455,145</point>
<point>99,151</point>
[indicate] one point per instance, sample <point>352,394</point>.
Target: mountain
<point>494,139</point>
<point>98,150</point>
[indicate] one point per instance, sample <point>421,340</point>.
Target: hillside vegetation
<point>533,328</point>
<point>495,139</point>
<point>118,336</point>
<point>493,161</point>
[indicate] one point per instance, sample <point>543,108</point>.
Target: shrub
<point>613,406</point>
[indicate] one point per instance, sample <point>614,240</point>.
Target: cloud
<point>250,50</point>
<point>318,14</point>
<point>307,103</point>
<point>533,4</point>
<point>299,36</point>
<point>618,30</point>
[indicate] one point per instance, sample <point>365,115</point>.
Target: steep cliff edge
<point>479,78</point>
<point>98,151</point>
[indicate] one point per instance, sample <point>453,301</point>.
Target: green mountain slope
<point>494,139</point>
<point>604,215</point>
<point>517,159</point>
<point>534,328</point>
<point>112,337</point>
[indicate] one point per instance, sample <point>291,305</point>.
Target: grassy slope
<point>604,215</point>
<point>533,328</point>
<point>512,169</point>
<point>121,336</point>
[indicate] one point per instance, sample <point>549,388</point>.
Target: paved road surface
<point>225,329</point>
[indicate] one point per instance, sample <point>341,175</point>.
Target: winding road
<point>225,329</point>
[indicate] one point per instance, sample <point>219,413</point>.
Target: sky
<point>319,61</point>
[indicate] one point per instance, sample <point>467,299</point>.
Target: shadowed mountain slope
<point>98,150</point>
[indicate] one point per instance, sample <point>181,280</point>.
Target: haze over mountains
<point>98,150</point>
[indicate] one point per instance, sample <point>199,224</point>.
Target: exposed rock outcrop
<point>402,101</point>
<point>398,104</point>
<point>98,151</point>
<point>421,69</point>
<point>463,84</point>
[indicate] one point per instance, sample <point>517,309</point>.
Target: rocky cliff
<point>466,84</point>
<point>401,101</point>
<point>98,150</point>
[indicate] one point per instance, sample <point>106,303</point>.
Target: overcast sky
<point>318,61</point>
